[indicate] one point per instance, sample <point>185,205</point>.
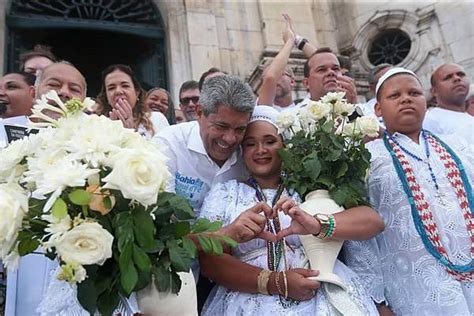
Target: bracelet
<point>277,283</point>
<point>302,44</point>
<point>262,281</point>
<point>286,284</point>
<point>332,227</point>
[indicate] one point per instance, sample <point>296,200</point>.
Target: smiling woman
<point>16,94</point>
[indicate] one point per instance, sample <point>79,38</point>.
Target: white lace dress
<point>225,202</point>
<point>395,265</point>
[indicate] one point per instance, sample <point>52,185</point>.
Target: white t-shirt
<point>445,122</point>
<point>159,122</point>
<point>290,108</point>
<point>193,172</point>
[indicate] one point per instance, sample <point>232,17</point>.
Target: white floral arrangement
<point>89,192</point>
<point>326,151</point>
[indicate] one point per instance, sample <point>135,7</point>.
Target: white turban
<point>265,113</point>
<point>390,73</point>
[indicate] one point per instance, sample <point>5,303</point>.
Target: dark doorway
<point>91,51</point>
<point>91,35</point>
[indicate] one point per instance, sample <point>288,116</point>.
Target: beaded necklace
<point>420,208</point>
<point>275,250</point>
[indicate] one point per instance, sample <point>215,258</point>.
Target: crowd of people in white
<point>223,144</point>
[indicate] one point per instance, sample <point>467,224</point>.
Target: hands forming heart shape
<point>251,223</point>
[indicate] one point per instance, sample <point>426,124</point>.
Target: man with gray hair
<point>205,152</point>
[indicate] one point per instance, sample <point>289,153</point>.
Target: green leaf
<point>128,273</point>
<point>182,229</point>
<point>214,226</point>
<point>312,166</point>
<point>87,294</point>
<point>162,278</point>
<point>59,209</point>
<point>141,259</point>
<point>190,247</point>
<point>201,225</point>
<point>342,170</point>
<point>182,208</point>
<point>175,283</point>
<point>180,258</point>
<point>205,243</point>
<point>26,246</point>
<point>216,246</point>
<point>108,302</point>
<point>144,228</point>
<point>123,225</point>
<point>80,197</point>
<point>328,126</point>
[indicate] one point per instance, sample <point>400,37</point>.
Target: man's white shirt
<point>446,122</point>
<point>193,172</point>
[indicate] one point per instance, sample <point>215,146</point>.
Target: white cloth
<point>16,121</point>
<point>368,109</point>
<point>33,289</point>
<point>159,122</point>
<point>305,101</point>
<point>290,108</point>
<point>193,172</point>
<point>225,202</point>
<point>444,122</point>
<point>395,266</point>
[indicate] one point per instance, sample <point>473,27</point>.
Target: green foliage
<point>323,159</point>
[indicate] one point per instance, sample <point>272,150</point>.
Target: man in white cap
<point>422,263</point>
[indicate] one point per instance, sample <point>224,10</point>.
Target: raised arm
<point>307,48</point>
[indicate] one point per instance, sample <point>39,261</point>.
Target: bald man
<point>450,87</point>
<point>65,79</point>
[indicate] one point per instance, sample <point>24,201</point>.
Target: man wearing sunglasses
<point>189,99</point>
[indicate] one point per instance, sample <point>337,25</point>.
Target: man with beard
<point>450,87</point>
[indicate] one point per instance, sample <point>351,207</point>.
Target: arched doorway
<point>91,34</point>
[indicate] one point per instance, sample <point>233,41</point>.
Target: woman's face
<point>16,95</point>
<point>260,150</point>
<point>119,85</point>
<point>157,101</point>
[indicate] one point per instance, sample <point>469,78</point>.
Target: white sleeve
<point>220,201</point>
<point>164,145</point>
<point>159,121</point>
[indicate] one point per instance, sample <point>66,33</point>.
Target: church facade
<point>168,42</point>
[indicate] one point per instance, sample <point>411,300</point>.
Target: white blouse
<point>395,266</point>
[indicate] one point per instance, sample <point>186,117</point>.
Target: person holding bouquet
<point>421,185</point>
<point>271,278</point>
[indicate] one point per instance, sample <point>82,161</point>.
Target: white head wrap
<point>265,113</point>
<point>390,73</point>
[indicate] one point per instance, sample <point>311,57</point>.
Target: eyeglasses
<point>185,101</point>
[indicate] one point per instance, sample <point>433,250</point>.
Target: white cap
<point>390,73</point>
<point>265,113</point>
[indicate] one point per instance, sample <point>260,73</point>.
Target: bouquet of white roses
<point>90,193</point>
<point>326,151</point>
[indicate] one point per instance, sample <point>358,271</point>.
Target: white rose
<point>139,174</point>
<point>318,110</point>
<point>368,126</point>
<point>87,243</point>
<point>13,207</point>
<point>333,97</point>
<point>285,120</point>
<point>350,129</point>
<point>343,108</point>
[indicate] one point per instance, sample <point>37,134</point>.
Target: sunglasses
<point>185,101</point>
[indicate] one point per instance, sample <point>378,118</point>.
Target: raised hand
<point>301,222</point>
<point>299,286</point>
<point>122,110</point>
<point>250,224</point>
<point>347,85</point>
<point>288,33</point>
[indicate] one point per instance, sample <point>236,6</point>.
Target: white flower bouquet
<point>90,193</point>
<point>326,151</point>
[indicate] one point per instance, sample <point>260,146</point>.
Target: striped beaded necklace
<point>275,250</point>
<point>420,208</point>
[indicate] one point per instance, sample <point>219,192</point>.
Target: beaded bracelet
<point>262,281</point>
<point>285,280</point>
<point>332,227</point>
<point>277,283</point>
